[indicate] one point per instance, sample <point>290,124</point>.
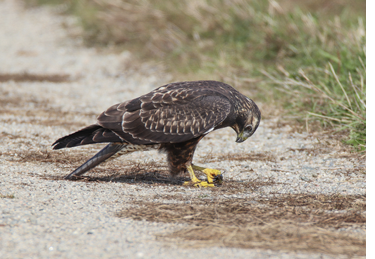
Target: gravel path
<point>43,216</point>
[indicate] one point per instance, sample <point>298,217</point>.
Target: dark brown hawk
<point>172,118</point>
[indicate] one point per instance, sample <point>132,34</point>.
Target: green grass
<point>308,56</point>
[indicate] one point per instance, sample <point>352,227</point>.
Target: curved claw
<point>218,179</point>
<point>213,176</point>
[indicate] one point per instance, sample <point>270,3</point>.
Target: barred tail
<point>102,155</point>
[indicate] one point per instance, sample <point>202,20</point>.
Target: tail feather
<point>89,135</point>
<point>102,155</point>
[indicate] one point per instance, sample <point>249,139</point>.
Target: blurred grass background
<point>306,56</point>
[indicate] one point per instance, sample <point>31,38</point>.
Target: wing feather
<point>167,115</point>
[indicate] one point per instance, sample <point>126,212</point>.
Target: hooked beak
<point>240,138</point>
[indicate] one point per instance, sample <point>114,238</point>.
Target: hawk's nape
<point>172,118</point>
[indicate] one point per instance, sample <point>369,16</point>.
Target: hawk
<point>172,118</point>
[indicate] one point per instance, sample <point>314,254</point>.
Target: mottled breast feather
<point>169,114</point>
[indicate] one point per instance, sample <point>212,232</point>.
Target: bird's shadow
<point>147,177</point>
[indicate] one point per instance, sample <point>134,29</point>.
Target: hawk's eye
<point>249,128</point>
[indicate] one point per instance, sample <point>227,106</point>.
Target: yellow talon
<point>213,176</point>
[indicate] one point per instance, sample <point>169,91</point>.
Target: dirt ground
<point>286,193</point>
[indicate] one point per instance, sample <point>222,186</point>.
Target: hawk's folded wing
<point>166,117</point>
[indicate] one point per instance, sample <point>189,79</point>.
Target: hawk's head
<point>247,121</point>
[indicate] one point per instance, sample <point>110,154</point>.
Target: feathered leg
<point>102,155</point>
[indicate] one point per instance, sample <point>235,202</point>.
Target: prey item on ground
<point>172,118</point>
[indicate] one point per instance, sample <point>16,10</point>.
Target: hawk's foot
<point>194,181</point>
<point>213,175</point>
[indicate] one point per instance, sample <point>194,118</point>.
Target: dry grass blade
<point>356,92</point>
<point>7,196</point>
<point>327,117</point>
<point>265,156</point>
<point>339,83</point>
<point>27,77</point>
